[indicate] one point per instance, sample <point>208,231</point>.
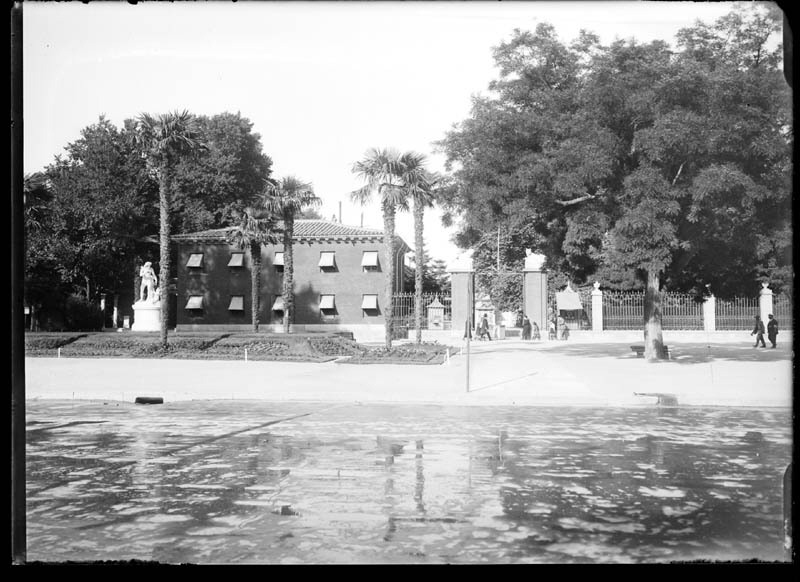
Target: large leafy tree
<point>86,218</point>
<point>253,228</point>
<point>637,164</point>
<point>164,139</point>
<point>286,198</point>
<point>382,171</point>
<point>210,188</point>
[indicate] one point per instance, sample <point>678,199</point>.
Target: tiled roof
<point>304,229</point>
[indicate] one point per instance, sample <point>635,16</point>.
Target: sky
<point>321,81</point>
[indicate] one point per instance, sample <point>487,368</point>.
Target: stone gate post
<point>765,302</point>
<point>462,288</point>
<point>710,313</point>
<point>597,308</point>
<point>535,290</point>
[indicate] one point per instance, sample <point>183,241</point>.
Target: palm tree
<point>382,171</point>
<point>420,188</point>
<point>286,199</point>
<point>256,227</point>
<point>164,138</point>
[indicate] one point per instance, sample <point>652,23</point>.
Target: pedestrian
<point>520,319</point>
<point>772,330</point>
<point>536,334</point>
<point>565,331</point>
<point>526,328</point>
<point>758,331</point>
<point>483,328</point>
<point>551,330</point>
<point>560,325</point>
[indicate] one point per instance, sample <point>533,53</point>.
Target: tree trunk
<point>419,242</point>
<point>255,283</point>
<point>388,243</point>
<point>653,341</point>
<point>163,239</point>
<point>288,272</point>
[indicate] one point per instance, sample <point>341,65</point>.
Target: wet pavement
<point>238,482</point>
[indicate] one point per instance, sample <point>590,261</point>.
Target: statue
<point>149,283</point>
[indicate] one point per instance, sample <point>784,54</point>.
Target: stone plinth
<point>146,316</point>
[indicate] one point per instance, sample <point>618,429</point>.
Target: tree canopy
<point>619,160</point>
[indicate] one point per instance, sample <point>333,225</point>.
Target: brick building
<point>339,280</point>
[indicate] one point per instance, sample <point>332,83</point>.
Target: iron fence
<point>624,310</point>
<point>735,314</point>
<point>782,310</point>
<point>404,313</point>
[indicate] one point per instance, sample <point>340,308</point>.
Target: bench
<point>640,351</point>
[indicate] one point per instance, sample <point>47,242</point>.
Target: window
<point>327,302</point>
<point>278,304</point>
<point>237,303</point>
<point>237,260</point>
<point>369,260</point>
<point>195,302</point>
<point>369,302</point>
<point>327,260</point>
<point>278,262</point>
<point>195,260</point>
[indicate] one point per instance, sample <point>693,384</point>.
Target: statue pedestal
<point>146,316</point>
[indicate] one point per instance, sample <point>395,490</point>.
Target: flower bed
<point>425,353</point>
<point>47,343</point>
<point>111,345</point>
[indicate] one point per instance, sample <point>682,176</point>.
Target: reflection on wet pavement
<point>185,483</point>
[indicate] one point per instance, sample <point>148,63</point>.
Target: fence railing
<point>575,319</point>
<point>625,311</point>
<point>735,314</point>
<point>404,312</point>
<point>782,310</point>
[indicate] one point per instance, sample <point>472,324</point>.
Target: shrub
<point>80,314</point>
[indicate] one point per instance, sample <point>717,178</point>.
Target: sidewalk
<point>508,372</point>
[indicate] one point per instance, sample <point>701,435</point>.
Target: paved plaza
<point>701,372</point>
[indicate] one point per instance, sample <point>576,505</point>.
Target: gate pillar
<point>535,290</point>
<point>462,289</point>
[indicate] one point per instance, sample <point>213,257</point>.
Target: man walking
<point>758,331</point>
<point>772,330</point>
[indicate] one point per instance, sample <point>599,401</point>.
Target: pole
<point>468,325</point>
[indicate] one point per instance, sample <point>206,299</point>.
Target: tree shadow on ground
<point>682,353</point>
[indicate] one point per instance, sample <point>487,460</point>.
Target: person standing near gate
<point>758,331</point>
<point>536,334</point>
<point>526,328</point>
<point>483,328</point>
<point>772,330</point>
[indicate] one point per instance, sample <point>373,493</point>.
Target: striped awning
<point>237,303</point>
<point>369,259</point>
<point>278,262</point>
<point>327,302</point>
<point>327,259</point>
<point>369,302</point>
<point>278,305</point>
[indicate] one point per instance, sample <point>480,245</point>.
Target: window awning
<point>369,259</point>
<point>327,259</point>
<point>195,260</point>
<point>278,305</point>
<point>369,302</point>
<point>278,262</point>
<point>327,302</point>
<point>195,302</point>
<point>568,301</point>
<point>237,303</point>
<point>237,260</point>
